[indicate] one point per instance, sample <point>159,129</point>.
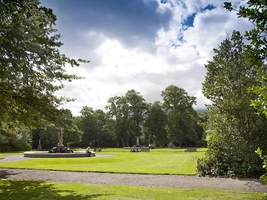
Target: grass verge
<point>15,189</point>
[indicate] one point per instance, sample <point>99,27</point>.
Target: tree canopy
<point>234,130</point>
<point>31,65</point>
<point>155,125</point>
<point>256,12</point>
<point>181,117</point>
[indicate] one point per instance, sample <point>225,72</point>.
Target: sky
<point>145,45</point>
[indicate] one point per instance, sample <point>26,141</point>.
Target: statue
<point>60,136</point>
<point>137,141</point>
<point>39,145</point>
<point>60,146</point>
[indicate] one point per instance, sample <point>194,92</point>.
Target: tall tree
<point>32,68</point>
<point>256,12</point>
<point>118,110</point>
<point>138,109</point>
<point>104,137</point>
<point>182,118</point>
<point>87,123</point>
<point>155,124</point>
<point>234,130</point>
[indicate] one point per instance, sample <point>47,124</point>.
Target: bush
<point>226,160</point>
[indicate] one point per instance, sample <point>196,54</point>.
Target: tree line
<point>129,120</point>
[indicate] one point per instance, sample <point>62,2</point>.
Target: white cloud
<point>154,57</point>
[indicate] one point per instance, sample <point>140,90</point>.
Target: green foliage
<point>104,137</point>
<point>256,12</point>
<point>137,110</point>
<point>18,140</point>
<point>129,117</point>
<point>128,113</point>
<point>94,126</point>
<point>264,162</point>
<point>155,123</point>
<point>118,114</point>
<point>181,117</point>
<point>87,124</point>
<point>233,128</point>
<point>49,136</point>
<point>229,152</point>
<point>32,68</point>
<point>260,90</point>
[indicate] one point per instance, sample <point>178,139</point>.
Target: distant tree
<point>118,110</point>
<point>155,124</point>
<point>48,136</point>
<point>72,136</point>
<point>87,123</point>
<point>32,68</point>
<point>110,139</point>
<point>234,131</point>
<point>137,110</point>
<point>104,137</point>
<point>182,118</point>
<point>201,134</point>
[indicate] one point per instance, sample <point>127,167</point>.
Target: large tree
<point>118,111</point>
<point>256,12</point>
<point>137,110</point>
<point>234,130</point>
<point>104,136</point>
<point>87,123</point>
<point>181,117</point>
<point>31,65</point>
<point>155,124</point>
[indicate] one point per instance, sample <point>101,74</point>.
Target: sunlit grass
<point>10,189</point>
<point>157,161</point>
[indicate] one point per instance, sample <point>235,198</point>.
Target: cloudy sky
<point>145,45</point>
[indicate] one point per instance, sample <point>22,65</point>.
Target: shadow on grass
<point>21,189</point>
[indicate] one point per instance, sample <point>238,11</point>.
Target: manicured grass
<point>157,161</point>
<point>11,189</point>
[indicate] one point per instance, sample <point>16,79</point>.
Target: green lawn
<point>10,189</point>
<point>157,161</point>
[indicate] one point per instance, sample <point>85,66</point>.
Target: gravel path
<point>175,181</point>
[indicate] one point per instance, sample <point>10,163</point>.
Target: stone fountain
<point>59,151</point>
<point>60,146</point>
